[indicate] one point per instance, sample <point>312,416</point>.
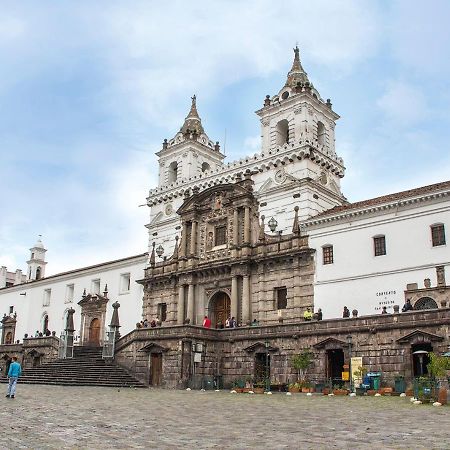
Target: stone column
<point>190,304</point>
<point>246,300</point>
<point>236,227</point>
<point>247,225</point>
<point>193,237</point>
<point>234,297</point>
<point>183,241</point>
<point>180,305</point>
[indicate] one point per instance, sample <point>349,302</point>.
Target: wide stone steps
<point>86,368</point>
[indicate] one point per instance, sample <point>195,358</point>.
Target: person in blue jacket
<point>13,374</point>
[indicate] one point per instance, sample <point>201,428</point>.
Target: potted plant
<point>307,387</point>
<point>238,385</point>
<point>248,385</point>
<point>437,368</point>
<point>338,390</point>
<point>301,363</point>
<point>294,388</point>
<point>258,387</point>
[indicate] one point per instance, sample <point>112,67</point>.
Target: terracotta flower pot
<point>340,391</point>
<point>258,390</point>
<point>294,390</point>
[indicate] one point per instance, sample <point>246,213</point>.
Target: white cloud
<point>403,104</point>
<point>252,144</point>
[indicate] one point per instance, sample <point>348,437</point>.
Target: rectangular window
<point>438,234</point>
<point>220,235</point>
<point>328,254</point>
<point>379,245</point>
<point>125,283</point>
<point>162,311</point>
<point>95,286</point>
<point>70,288</point>
<point>47,297</point>
<point>281,297</point>
<point>11,309</point>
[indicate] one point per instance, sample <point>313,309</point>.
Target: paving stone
<point>59,417</point>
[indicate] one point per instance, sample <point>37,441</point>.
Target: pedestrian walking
<point>14,373</point>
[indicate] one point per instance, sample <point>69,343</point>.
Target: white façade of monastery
<point>366,252</point>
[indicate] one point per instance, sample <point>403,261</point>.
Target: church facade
<point>258,242</point>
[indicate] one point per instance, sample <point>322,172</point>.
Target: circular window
<point>285,95</point>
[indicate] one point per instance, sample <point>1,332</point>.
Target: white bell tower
<point>297,120</point>
<point>189,153</point>
<point>36,263</point>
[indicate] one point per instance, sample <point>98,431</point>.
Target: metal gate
<point>65,350</point>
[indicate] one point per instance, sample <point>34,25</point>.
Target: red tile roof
<point>385,199</point>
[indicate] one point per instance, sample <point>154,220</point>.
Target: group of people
<point>152,324</point>
<point>308,314</point>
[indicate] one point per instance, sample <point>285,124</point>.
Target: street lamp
<point>420,354</point>
<point>272,224</point>
<point>350,343</point>
<point>267,367</point>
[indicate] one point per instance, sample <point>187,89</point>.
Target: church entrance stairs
<point>86,368</point>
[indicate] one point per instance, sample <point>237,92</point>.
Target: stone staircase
<point>86,368</point>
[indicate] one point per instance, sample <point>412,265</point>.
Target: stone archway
<point>219,309</point>
<point>425,303</point>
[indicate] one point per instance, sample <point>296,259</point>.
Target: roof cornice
<point>370,209</point>
<point>259,162</point>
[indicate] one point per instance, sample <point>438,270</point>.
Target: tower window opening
<point>38,273</point>
<point>205,167</point>
<point>282,132</point>
<point>321,133</point>
<point>173,172</point>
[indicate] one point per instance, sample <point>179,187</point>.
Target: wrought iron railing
<point>65,350</point>
<point>109,345</point>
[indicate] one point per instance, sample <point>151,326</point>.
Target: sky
<point>89,90</point>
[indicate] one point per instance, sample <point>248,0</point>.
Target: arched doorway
<point>8,338</point>
<point>219,309</point>
<point>425,303</point>
<point>420,358</point>
<point>94,332</point>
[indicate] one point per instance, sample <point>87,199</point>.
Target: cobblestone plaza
<point>55,417</point>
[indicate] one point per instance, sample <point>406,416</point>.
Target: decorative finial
<point>152,256</point>
<point>194,100</point>
<point>84,293</point>
<point>296,225</point>
<point>105,291</point>
<point>262,232</point>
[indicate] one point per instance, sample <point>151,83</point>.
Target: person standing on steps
<point>14,373</point>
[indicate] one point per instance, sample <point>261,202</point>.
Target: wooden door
<point>94,332</point>
<point>222,309</point>
<point>156,369</point>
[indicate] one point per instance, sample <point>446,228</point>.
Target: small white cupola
<point>36,263</point>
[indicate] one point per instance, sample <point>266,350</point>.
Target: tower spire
<point>297,74</point>
<point>192,123</point>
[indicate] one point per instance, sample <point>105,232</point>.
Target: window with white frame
<point>125,283</point>
<point>95,286</point>
<point>379,245</point>
<point>438,234</point>
<point>327,254</point>
<point>47,297</point>
<point>70,289</point>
